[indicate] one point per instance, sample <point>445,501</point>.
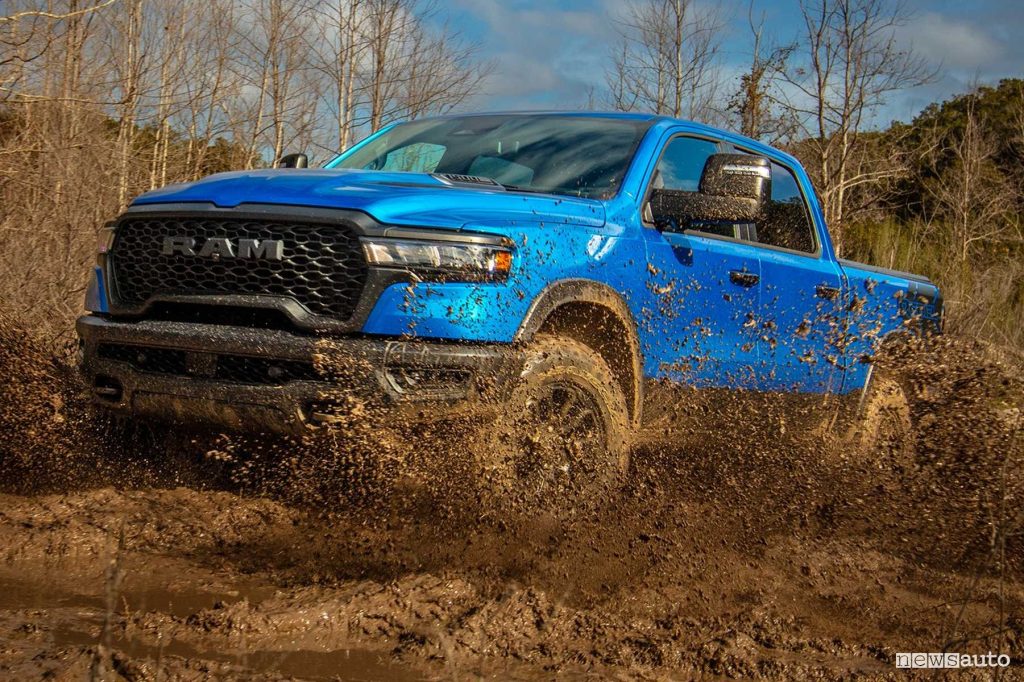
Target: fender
<point>569,291</point>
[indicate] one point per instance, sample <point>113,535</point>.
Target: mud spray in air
<point>752,549</point>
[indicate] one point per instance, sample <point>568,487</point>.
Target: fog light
<point>108,388</point>
<point>423,379</point>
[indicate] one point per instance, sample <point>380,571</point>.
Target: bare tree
<point>274,64</point>
<point>441,72</point>
<point>53,88</point>
<point>24,38</point>
<point>385,60</point>
<point>337,50</point>
<point>103,99</point>
<point>753,104</point>
<point>1017,119</point>
<point>386,26</point>
<point>666,60</point>
<point>849,62</point>
<point>130,67</point>
<point>969,194</point>
<point>208,47</point>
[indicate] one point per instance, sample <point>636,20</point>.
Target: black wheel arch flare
<point>566,293</point>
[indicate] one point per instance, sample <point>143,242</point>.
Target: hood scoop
<point>456,179</point>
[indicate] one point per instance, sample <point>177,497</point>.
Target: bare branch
<point>39,14</point>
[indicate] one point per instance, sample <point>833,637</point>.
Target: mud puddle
<point>658,586</point>
<point>60,613</point>
<point>23,587</point>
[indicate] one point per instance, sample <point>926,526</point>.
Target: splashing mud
<point>746,549</point>
<point>40,415</point>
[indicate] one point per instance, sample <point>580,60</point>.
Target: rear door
<point>703,284</point>
<point>801,295</point>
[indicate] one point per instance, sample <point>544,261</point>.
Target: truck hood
<point>392,198</point>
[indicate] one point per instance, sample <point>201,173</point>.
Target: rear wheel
<point>561,442</point>
<point>882,427</point>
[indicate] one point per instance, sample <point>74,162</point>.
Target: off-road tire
<point>881,428</point>
<point>561,442</point>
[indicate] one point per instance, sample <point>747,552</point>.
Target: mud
<point>753,549</point>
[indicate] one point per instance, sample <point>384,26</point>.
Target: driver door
<point>703,284</point>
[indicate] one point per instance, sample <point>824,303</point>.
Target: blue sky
<point>553,53</point>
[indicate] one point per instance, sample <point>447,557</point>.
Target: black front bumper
<point>274,380</point>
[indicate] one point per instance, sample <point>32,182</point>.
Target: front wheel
<point>561,442</point>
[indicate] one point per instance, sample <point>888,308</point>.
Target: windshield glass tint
<point>554,154</point>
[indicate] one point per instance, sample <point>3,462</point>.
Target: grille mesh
<point>323,267</point>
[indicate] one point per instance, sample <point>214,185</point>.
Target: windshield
<point>578,156</point>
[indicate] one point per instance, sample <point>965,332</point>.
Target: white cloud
<point>552,54</point>
<point>541,52</point>
<point>954,43</point>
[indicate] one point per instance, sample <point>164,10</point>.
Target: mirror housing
<point>743,177</point>
<point>733,188</point>
<point>293,161</point>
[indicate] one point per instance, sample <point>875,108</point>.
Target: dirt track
<point>750,554</point>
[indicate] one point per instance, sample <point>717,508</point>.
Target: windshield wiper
<point>531,190</point>
<point>555,192</point>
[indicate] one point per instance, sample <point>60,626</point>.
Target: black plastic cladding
<point>158,360</point>
<point>249,370</point>
<point>242,369</point>
<point>323,266</point>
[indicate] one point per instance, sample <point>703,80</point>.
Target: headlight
<point>445,260</point>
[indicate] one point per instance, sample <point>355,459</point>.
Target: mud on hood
<point>392,198</point>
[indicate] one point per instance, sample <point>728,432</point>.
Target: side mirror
<point>744,179</point>
<point>733,189</point>
<point>293,161</point>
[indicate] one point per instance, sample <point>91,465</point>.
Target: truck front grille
<point>322,266</point>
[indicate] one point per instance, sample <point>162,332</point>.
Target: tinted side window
<point>678,176</point>
<point>682,163</point>
<point>787,222</point>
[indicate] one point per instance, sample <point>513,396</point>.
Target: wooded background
<point>101,100</point>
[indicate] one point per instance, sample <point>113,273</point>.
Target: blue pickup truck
<point>569,269</point>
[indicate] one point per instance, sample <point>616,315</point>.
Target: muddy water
<point>259,589</point>
<point>747,551</point>
<point>72,616</point>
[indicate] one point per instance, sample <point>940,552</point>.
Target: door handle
<point>827,292</point>
<point>744,278</point>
